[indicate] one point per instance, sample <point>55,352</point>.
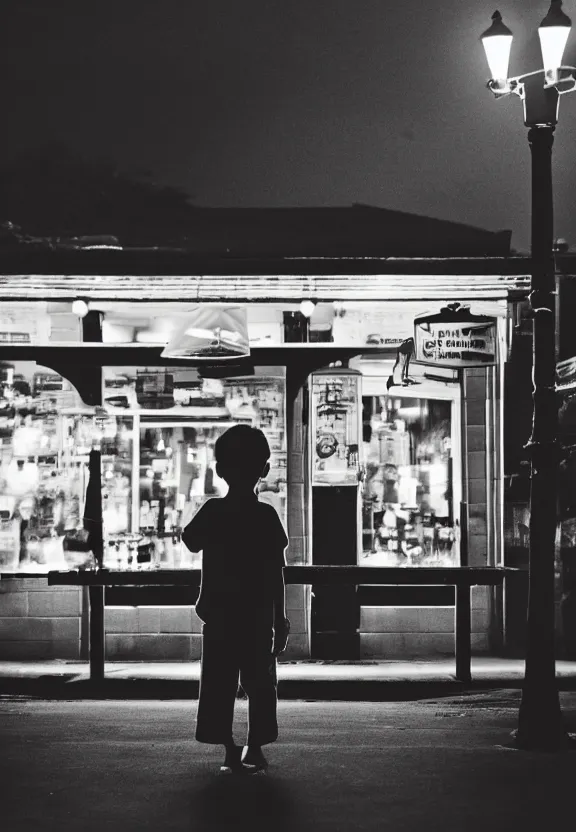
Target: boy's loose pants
<point>239,653</point>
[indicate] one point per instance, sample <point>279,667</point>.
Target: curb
<point>67,687</point>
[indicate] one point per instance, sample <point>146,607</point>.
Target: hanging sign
<point>455,337</point>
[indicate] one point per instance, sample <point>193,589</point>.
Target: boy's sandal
<point>233,764</point>
<point>241,769</point>
<point>232,761</point>
<point>255,763</point>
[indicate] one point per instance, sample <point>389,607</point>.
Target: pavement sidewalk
<point>446,766</point>
<point>320,680</point>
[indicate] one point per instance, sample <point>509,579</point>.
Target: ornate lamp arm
<point>565,76</point>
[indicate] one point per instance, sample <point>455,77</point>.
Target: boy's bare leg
<point>233,757</point>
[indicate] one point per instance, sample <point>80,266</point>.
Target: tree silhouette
<point>55,192</point>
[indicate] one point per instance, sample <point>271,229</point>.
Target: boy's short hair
<point>242,448</point>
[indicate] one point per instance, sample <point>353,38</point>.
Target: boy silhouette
<point>241,600</point>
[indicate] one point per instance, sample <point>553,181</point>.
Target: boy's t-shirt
<point>242,543</point>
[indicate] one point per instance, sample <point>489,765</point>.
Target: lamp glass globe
<point>307,308</point>
<point>80,308</point>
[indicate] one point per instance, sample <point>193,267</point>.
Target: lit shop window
<point>407,504</point>
<point>153,486</point>
<point>46,435</point>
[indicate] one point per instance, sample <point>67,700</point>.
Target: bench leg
<point>463,626</point>
<point>97,639</point>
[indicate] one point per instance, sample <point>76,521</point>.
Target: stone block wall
<point>152,634</point>
<point>174,633</point>
<point>38,621</point>
<point>420,632</point>
<point>298,611</point>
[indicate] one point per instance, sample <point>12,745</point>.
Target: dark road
<point>339,766</point>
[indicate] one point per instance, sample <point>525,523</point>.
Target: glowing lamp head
<point>553,33</point>
<point>307,308</point>
<point>497,42</point>
<point>80,308</point>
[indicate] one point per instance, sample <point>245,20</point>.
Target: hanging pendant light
<point>80,307</point>
<point>211,333</point>
<point>307,308</point>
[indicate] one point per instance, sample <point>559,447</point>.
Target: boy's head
<point>242,455</point>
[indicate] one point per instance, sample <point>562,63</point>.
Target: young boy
<point>241,601</point>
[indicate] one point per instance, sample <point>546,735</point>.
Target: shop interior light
<point>553,33</point>
<point>211,332</point>
<point>80,307</point>
<point>497,43</point>
<point>307,308</point>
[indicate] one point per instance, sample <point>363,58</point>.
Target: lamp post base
<point>540,722</point>
<point>531,742</point>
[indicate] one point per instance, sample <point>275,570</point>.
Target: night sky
<point>292,103</point>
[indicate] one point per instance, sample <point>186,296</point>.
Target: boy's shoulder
<point>265,512</point>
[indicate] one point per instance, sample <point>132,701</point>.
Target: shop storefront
<point>377,460</point>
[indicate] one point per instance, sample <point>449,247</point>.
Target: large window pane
<point>407,504</point>
<point>178,417</point>
<point>46,434</point>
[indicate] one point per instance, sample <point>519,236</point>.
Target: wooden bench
<point>461,578</point>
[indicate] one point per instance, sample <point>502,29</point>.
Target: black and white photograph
<point>287,415</point>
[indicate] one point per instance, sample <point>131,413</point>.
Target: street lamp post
<point>540,722</point>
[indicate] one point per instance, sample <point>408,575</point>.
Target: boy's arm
<point>279,542</point>
<point>281,623</point>
<point>279,593</point>
<point>194,533</point>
